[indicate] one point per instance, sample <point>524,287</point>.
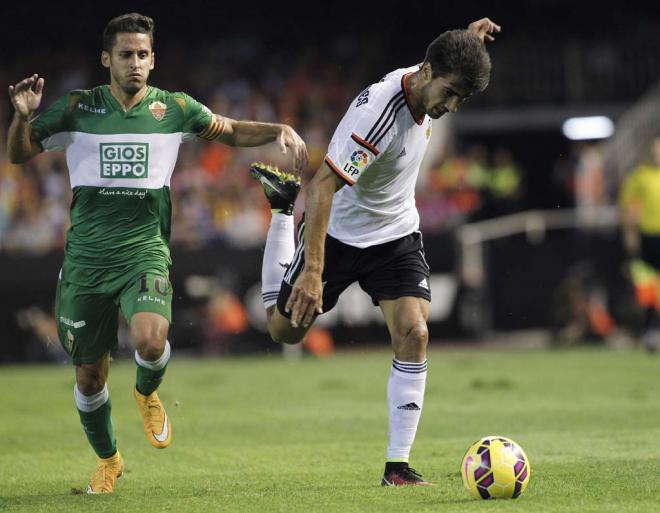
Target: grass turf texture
<point>268,435</point>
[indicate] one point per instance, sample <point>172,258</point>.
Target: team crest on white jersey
<point>157,110</point>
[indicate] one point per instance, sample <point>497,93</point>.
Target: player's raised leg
<point>406,321</point>
<point>94,407</point>
<point>281,190</point>
<point>152,353</point>
<point>147,305</point>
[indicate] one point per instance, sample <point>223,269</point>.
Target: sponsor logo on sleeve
<point>124,160</point>
<point>358,161</point>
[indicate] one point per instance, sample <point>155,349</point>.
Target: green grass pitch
<point>263,434</point>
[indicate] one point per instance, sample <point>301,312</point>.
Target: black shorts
<point>386,271</point>
<point>650,250</point>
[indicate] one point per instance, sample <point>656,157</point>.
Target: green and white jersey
<point>120,164</point>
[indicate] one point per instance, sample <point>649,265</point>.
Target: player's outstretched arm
<point>484,28</point>
<point>306,297</point>
<point>253,133</point>
<point>25,97</point>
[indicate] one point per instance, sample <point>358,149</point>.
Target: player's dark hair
<point>461,53</point>
<point>131,23</point>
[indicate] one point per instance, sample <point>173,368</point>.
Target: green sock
<point>147,380</point>
<point>150,374</point>
<point>98,428</point>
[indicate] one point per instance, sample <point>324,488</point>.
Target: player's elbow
<point>16,157</point>
<point>20,153</point>
<point>229,134</point>
<point>325,181</point>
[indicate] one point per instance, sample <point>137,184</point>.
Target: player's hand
<point>484,28</point>
<point>306,299</point>
<point>26,95</point>
<point>288,138</point>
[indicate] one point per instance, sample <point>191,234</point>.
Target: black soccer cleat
<point>400,474</point>
<point>280,188</point>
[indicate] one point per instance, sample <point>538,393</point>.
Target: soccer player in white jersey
<point>121,142</point>
<point>361,223</point>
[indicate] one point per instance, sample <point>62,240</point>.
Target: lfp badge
<point>359,159</point>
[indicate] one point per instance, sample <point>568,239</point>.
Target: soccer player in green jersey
<point>121,142</point>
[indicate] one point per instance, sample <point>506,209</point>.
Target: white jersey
<point>377,150</point>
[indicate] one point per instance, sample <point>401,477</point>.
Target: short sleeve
<point>365,132</point>
<point>50,127</point>
<point>198,121</point>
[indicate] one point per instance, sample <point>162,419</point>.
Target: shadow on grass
<point>42,499</point>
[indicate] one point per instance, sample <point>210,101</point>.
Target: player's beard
<point>428,109</point>
<point>435,111</point>
<point>129,86</point>
<point>132,87</point>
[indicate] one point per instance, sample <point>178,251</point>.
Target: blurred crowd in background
<point>273,77</point>
<point>214,198</point>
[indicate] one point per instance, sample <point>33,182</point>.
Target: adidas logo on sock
<point>403,153</point>
<point>424,284</point>
<point>409,406</point>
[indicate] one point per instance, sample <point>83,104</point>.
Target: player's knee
<point>419,336</point>
<point>90,383</point>
<point>150,349</point>
<point>283,334</point>
<point>280,330</point>
<point>413,346</point>
<point>149,341</point>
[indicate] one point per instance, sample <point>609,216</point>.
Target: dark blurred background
<point>517,216</point>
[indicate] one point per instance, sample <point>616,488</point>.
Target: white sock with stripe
<point>280,246</point>
<point>405,397</point>
<point>89,403</point>
<point>157,364</point>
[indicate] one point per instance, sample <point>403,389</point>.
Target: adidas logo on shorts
<point>424,284</point>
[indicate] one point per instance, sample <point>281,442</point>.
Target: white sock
<point>280,246</point>
<point>89,403</point>
<point>405,397</point>
<point>156,364</point>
